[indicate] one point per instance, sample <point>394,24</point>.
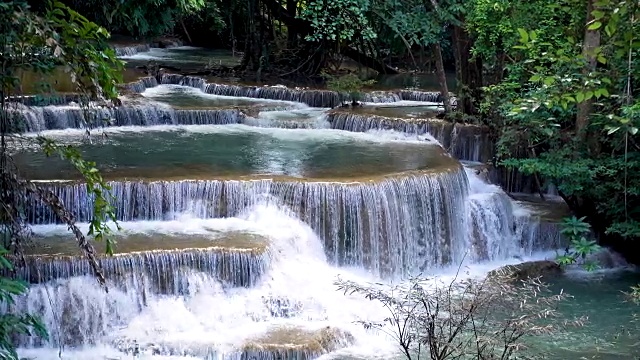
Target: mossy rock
<point>528,270</point>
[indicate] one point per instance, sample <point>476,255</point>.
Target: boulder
<point>528,270</point>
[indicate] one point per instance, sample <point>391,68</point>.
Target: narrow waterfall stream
<point>240,206</point>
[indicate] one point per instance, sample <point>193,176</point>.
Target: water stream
<point>240,206</point>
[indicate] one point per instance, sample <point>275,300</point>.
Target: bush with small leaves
<point>471,318</point>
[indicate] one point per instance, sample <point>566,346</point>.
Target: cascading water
<point>293,303</point>
<point>382,226</point>
<point>463,142</point>
<point>242,266</point>
<point>188,324</point>
<point>36,119</point>
<point>125,51</point>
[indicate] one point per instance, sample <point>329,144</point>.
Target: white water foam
<point>160,91</point>
<point>405,103</point>
<point>310,118</point>
<point>215,316</point>
<point>159,53</point>
<point>328,135</point>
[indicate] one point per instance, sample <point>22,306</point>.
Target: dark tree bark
<point>591,42</point>
<point>468,73</point>
<point>292,34</point>
<point>442,77</point>
<point>437,56</point>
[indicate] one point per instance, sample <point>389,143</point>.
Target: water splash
<point>500,227</point>
<point>291,119</point>
<point>464,142</point>
<point>240,317</point>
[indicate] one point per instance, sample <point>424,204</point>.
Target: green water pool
<point>188,152</point>
<point>612,331</point>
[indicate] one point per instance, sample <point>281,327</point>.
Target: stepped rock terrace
<point>311,97</point>
<point>161,259</point>
<point>352,219</point>
<point>464,142</point>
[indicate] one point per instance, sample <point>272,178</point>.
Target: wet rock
<point>528,270</point>
<point>296,343</point>
<point>604,259</point>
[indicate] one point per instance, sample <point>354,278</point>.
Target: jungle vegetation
<point>554,80</point>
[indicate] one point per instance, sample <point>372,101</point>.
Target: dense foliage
<point>55,37</point>
<point>553,79</point>
<point>566,113</point>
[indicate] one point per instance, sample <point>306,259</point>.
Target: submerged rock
<point>528,270</point>
<point>296,343</point>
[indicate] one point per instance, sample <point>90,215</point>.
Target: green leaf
<point>613,130</point>
<point>524,35</point>
<point>595,25</point>
<point>588,95</point>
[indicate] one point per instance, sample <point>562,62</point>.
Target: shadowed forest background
<point>551,84</point>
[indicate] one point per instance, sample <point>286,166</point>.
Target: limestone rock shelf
<point>312,97</point>
<point>381,225</point>
<point>163,260</point>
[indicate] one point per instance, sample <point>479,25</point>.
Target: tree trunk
<point>468,73</point>
<point>436,49</point>
<point>591,42</point>
<point>292,34</point>
<point>442,77</point>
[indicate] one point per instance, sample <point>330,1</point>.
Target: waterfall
<point>391,226</point>
<point>311,97</point>
<point>159,300</point>
<point>36,119</point>
<point>290,119</point>
<point>164,270</point>
<point>238,325</point>
<point>244,268</point>
<point>415,95</point>
<point>464,142</point>
<point>131,50</point>
<point>493,229</point>
<point>500,227</point>
<point>141,84</point>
